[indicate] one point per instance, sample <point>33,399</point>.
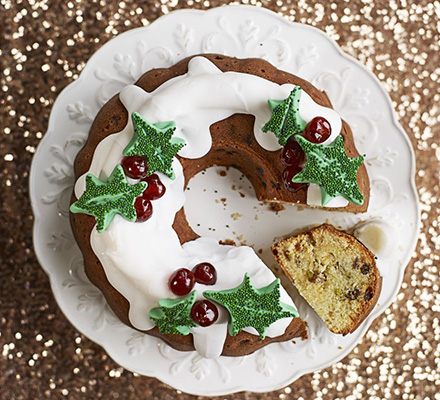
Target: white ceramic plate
<point>240,31</point>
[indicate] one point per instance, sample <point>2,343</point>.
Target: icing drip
<point>139,258</point>
<point>209,341</point>
<point>314,197</point>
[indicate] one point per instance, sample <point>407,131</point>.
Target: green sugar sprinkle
<point>285,120</point>
<point>329,167</point>
<point>155,142</point>
<point>251,307</point>
<point>104,200</point>
<point>174,315</point>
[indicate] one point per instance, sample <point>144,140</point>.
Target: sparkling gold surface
<point>44,46</point>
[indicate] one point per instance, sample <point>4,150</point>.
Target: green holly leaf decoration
<point>329,167</point>
<point>251,307</point>
<point>285,120</point>
<point>174,315</point>
<point>104,200</point>
<point>155,142</point>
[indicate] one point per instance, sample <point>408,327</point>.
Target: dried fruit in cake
<point>334,272</point>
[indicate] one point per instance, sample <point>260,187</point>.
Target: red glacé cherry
<point>204,312</point>
<point>144,209</point>
<point>135,167</point>
<point>205,273</point>
<point>293,154</point>
<point>155,189</point>
<point>288,174</point>
<point>318,130</point>
<point>181,282</point>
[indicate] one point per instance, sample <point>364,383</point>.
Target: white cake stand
<point>240,31</point>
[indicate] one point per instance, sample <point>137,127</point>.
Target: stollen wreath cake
<point>127,213</point>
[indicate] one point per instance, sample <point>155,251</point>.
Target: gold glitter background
<point>44,46</point>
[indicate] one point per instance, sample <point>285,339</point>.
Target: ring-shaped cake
<point>220,107</point>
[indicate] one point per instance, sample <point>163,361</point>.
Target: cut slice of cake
<point>334,272</point>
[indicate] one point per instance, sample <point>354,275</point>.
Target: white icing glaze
<point>210,340</point>
<point>138,258</point>
<point>191,103</point>
<point>314,198</point>
<point>187,100</point>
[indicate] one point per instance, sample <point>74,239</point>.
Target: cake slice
<point>334,272</point>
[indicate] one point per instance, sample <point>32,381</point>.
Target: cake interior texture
<point>334,272</point>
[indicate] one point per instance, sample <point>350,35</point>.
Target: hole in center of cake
<point>221,203</point>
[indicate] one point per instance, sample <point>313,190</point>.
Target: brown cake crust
<point>233,144</point>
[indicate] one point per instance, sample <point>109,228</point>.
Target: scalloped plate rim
<point>50,131</point>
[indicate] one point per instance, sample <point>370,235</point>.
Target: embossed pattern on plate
<point>240,31</point>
